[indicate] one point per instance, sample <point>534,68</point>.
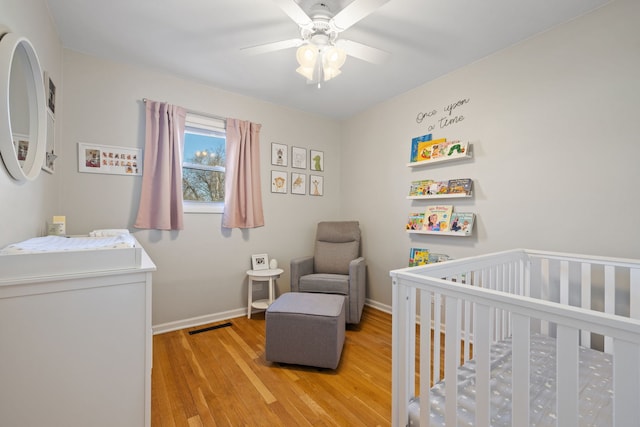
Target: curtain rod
<point>199,113</point>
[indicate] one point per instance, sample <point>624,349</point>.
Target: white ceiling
<point>202,40</point>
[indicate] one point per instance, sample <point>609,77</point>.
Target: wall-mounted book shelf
<point>468,154</point>
<point>442,233</point>
<point>440,196</point>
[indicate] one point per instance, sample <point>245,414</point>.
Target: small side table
<point>270,276</point>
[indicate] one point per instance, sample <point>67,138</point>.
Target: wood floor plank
<point>221,378</point>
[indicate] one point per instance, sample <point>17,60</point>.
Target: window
<point>203,164</point>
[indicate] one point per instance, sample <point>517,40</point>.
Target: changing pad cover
<point>59,243</point>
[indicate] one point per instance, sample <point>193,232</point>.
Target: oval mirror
<point>22,108</point>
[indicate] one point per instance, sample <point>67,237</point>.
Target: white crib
<point>530,338</point>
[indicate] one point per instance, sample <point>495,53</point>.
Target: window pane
<point>203,148</point>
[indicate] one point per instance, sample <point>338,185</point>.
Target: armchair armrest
<point>357,288</point>
<point>300,267</point>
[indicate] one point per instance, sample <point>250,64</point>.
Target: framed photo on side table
<point>260,262</point>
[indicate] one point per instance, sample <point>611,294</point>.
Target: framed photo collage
<point>298,181</point>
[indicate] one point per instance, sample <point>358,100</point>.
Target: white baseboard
<point>231,314</point>
<point>197,321</point>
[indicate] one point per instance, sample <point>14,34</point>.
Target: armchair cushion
<point>325,283</point>
<point>334,258</point>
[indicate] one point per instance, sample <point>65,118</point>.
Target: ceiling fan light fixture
<point>307,72</point>
<point>307,55</point>
<point>334,57</point>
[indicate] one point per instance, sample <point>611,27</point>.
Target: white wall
<point>201,270</point>
<point>26,207</point>
<point>554,123</point>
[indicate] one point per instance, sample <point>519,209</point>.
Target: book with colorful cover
<point>438,187</point>
<point>440,148</point>
<point>414,145</point>
<point>419,188</point>
<point>437,218</point>
<point>461,222</point>
<point>456,148</point>
<point>415,221</point>
<point>460,186</point>
<point>426,148</point>
<point>418,256</point>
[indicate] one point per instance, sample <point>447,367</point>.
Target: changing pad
<point>59,243</point>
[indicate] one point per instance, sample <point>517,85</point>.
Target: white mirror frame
<point>31,167</point>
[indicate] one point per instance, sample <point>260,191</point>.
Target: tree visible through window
<point>203,167</point>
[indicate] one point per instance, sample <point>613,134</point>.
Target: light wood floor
<point>221,378</point>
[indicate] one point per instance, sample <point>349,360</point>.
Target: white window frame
<point>195,121</point>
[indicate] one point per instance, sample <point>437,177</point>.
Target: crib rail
<point>481,300</point>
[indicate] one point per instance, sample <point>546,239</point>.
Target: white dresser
<point>76,339</point>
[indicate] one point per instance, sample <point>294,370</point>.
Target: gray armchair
<point>335,268</point>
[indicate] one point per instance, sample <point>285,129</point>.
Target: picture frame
<point>21,145</point>
<point>278,181</point>
<point>316,161</point>
<point>279,154</point>
<point>316,185</point>
<point>298,183</point>
<point>298,157</point>
<point>260,262</point>
<point>108,159</point>
<point>50,92</point>
<point>50,156</point>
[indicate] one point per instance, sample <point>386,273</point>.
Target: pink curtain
<point>242,191</point>
<point>161,197</point>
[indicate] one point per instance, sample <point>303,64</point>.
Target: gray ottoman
<point>306,329</point>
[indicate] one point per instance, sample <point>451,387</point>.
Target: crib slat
<point>437,313</point>
<point>634,274</point>
<point>585,336</point>
<point>626,384</point>
<point>402,342</point>
<point>564,282</point>
<point>609,300</point>
<point>425,357</point>
<point>481,349</point>
<point>544,291</point>
<point>520,373</point>
<point>567,375</point>
<point>452,358</point>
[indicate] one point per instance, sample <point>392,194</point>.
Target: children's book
<point>414,145</point>
<point>426,148</point>
<point>419,188</point>
<point>439,148</point>
<point>456,148</point>
<point>437,218</point>
<point>438,187</point>
<point>418,256</point>
<point>460,186</point>
<point>433,258</point>
<point>415,221</point>
<point>462,222</point>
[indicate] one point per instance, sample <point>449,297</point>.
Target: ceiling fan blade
<point>355,11</point>
<point>272,47</point>
<point>294,11</point>
<point>362,51</point>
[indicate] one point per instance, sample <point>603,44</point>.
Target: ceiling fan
<point>320,52</point>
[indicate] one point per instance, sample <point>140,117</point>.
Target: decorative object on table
<point>58,226</point>
<point>109,159</point>
<point>260,262</point>
<point>273,264</point>
<point>279,154</point>
<point>298,183</point>
<point>298,157</point>
<point>316,185</point>
<point>278,182</point>
<point>317,160</point>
